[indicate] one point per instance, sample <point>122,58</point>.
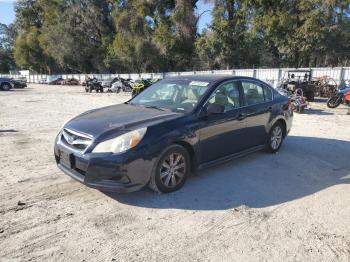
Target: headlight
<point>121,143</point>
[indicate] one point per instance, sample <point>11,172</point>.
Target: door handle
<point>241,117</point>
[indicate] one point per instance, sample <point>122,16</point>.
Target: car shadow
<point>304,166</point>
<point>311,111</point>
<point>8,131</point>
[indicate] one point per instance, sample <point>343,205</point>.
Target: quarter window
<point>253,93</point>
<point>226,95</point>
<point>268,94</point>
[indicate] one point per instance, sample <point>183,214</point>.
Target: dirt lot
<point>292,206</point>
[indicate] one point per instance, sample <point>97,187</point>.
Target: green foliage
<point>161,35</point>
<point>7,36</point>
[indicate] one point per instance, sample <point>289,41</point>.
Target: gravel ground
<point>291,206</point>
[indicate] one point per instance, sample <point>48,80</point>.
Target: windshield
<point>173,94</point>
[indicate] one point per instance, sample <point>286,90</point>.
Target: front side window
<point>173,94</point>
<point>254,94</point>
<point>226,95</point>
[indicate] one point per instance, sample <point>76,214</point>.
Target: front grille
<point>75,140</point>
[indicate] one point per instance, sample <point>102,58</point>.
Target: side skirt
<point>230,157</point>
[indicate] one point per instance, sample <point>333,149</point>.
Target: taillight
<point>289,104</point>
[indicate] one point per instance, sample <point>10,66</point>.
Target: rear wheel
<point>275,138</point>
<point>171,170</point>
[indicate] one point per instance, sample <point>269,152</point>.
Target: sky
<point>7,13</point>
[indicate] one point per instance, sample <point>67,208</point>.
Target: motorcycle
<point>297,101</point>
<point>342,97</point>
<point>121,85</point>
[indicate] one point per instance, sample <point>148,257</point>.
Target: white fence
<point>272,75</point>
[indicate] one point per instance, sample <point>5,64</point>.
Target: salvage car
<point>299,79</point>
<point>6,84</point>
<point>70,82</point>
<point>174,127</point>
<point>19,82</point>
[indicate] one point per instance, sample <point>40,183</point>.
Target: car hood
<point>117,117</point>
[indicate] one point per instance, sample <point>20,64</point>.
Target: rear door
<point>223,134</point>
<point>258,106</point>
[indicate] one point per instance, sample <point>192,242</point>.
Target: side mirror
<point>214,109</point>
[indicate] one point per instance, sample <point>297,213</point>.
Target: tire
<point>176,173</point>
<point>334,101</point>
<point>275,138</point>
<point>86,90</point>
<point>101,90</point>
<point>6,87</point>
<point>90,89</point>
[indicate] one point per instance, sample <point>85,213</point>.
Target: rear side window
<point>254,94</point>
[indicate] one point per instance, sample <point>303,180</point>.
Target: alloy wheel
<point>172,170</point>
<point>276,137</point>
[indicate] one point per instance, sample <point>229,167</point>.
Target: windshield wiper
<point>154,107</point>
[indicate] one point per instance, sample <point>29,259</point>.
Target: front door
<point>223,134</point>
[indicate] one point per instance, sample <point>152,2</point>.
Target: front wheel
<point>171,170</point>
<point>6,87</point>
<point>334,101</point>
<point>275,139</point>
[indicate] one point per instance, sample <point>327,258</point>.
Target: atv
<point>93,84</point>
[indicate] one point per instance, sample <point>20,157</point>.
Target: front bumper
<point>120,173</point>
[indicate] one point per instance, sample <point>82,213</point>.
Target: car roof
<point>299,71</point>
<point>210,78</point>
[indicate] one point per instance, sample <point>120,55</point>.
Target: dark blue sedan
<point>173,128</point>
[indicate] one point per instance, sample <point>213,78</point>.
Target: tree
<point>230,43</point>
<point>74,33</point>
<point>7,36</point>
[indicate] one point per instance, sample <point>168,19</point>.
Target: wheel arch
<point>283,122</point>
<point>5,82</point>
<point>189,148</point>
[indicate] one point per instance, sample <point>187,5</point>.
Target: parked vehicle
<point>6,84</point>
<point>70,82</point>
<point>175,126</point>
<point>140,85</point>
<point>93,84</point>
<point>19,82</point>
<point>54,80</point>
<point>121,85</point>
<point>300,79</point>
<point>43,81</point>
<point>342,97</point>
